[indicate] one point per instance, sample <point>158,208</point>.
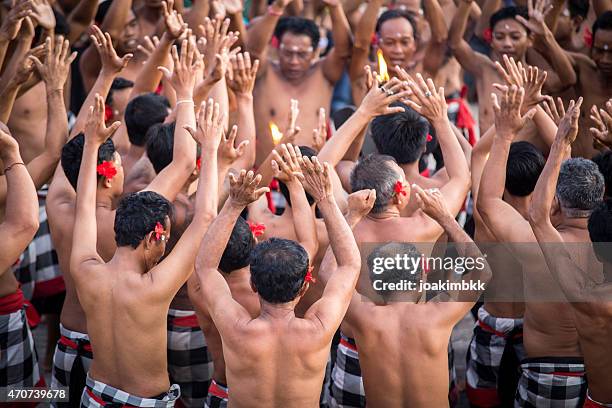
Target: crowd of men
<point>197,195</point>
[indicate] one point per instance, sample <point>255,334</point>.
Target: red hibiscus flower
<point>107,169</point>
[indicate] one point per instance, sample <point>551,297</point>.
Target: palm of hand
<point>44,14</point>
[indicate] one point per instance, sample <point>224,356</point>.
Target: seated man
<point>284,364</point>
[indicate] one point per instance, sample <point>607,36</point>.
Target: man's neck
<point>520,204</point>
<point>411,170</point>
<point>572,223</point>
<point>104,199</point>
<point>389,212</point>
<point>274,311</point>
<point>135,152</point>
<point>128,259</point>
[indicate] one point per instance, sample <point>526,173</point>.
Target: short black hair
<point>603,22</point>
<point>578,8</point>
<point>398,13</point>
<point>374,172</point>
<point>600,230</point>
<point>137,215</point>
<point>278,269</point>
<point>237,253</point>
<point>525,163</point>
<point>102,10</point>
<point>581,185</point>
<point>72,154</point>
<point>306,152</point>
<point>298,26</point>
<point>160,145</point>
<point>141,113</point>
<point>402,135</point>
<point>118,84</point>
<point>394,274</point>
<point>603,161</point>
<point>507,13</point>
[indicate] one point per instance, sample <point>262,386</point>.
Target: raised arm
<point>286,168</point>
<point>80,18</point>
<point>224,310</point>
<point>330,309</point>
<point>11,24</point>
<point>467,57</point>
<point>176,268</point>
<point>503,220</point>
<point>84,251</point>
<point>436,48</point>
<point>20,203</point>
<point>575,283</point>
<point>54,73</point>
<point>488,9</point>
<point>363,39</point>
<point>430,103</point>
<point>186,69</point>
<point>335,61</point>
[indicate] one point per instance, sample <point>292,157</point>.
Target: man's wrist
<point>184,96</point>
<point>55,90</point>
<point>276,10</point>
<point>325,201</point>
<point>10,156</point>
<point>246,97</point>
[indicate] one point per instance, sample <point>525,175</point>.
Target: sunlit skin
<point>397,42</point>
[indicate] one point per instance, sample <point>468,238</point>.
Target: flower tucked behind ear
<point>199,163</point>
<point>399,189</point>
<point>429,137</point>
<point>257,229</point>
<point>487,35</point>
<point>159,232</point>
<point>107,169</point>
<point>588,37</point>
<point>308,278</point>
<point>108,113</point>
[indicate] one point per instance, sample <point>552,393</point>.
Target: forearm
<point>149,76</point>
<point>219,94</point>
<point>246,129</point>
<point>435,18</point>
<point>207,193</point>
<point>237,24</point>
<point>116,18</point>
<point>333,151</point>
<point>552,18</point>
<point>260,33</point>
<point>21,206</point>
<point>85,226</point>
<point>303,219</point>
<point>185,148</point>
<point>216,239</point>
<point>7,100</point>
<point>101,87</point>
<point>90,64</point>
<point>547,129</point>
<point>340,235</point>
<point>57,123</point>
<point>558,58</point>
<point>544,192</point>
<point>367,24</point>
<point>493,177</point>
<point>198,11</point>
<point>458,25</point>
<point>479,157</point>
<point>341,32</point>
<point>454,158</point>
<point>80,18</point>
<point>488,9</point>
<point>3,47</point>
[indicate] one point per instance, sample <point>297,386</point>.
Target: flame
<point>383,73</point>
<point>276,133</point>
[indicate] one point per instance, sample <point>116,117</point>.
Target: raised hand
<point>175,26</point>
<point>530,78</point>
<point>227,153</point>
<point>12,22</point>
<point>111,63</point>
<point>432,203</point>
<point>603,121</point>
<point>319,135</point>
<point>244,74</point>
<point>217,37</point>
<point>316,178</point>
<point>54,71</point>
<point>185,71</point>
<point>24,71</point>
<point>568,127</point>
<point>507,109</point>
<point>537,15</point>
<point>360,202</point>
<point>148,46</point>
<point>43,14</point>
<point>210,126</point>
<point>233,6</point>
<point>8,145</point>
<point>555,111</point>
<point>243,189</point>
<point>377,100</point>
<point>286,165</point>
<point>426,100</point>
<point>96,131</point>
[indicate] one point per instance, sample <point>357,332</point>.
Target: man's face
<point>510,37</point>
<point>564,26</point>
<point>295,55</point>
<point>130,37</point>
<point>601,52</point>
<point>396,40</point>
<point>153,3</point>
<point>120,100</point>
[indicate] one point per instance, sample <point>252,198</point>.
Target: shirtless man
<point>19,224</point>
<point>128,297</point>
<point>298,73</point>
<point>284,364</point>
<point>591,298</point>
<point>551,345</point>
<point>594,84</point>
<point>512,35</point>
<point>403,345</point>
<point>61,209</point>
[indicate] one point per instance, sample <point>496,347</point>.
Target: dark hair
<point>578,8</point>
<point>525,163</point>
<point>397,13</point>
<point>72,154</point>
<point>580,185</point>
<point>102,10</point>
<point>137,215</point>
<point>298,26</point>
<point>507,13</point>
<point>308,152</point>
<point>160,145</point>
<point>401,135</point>
<point>62,27</point>
<point>238,250</point>
<point>600,230</point>
<point>374,172</point>
<point>603,22</point>
<point>141,113</point>
<point>603,161</point>
<point>278,269</point>
<point>393,275</point>
<point>118,84</point>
